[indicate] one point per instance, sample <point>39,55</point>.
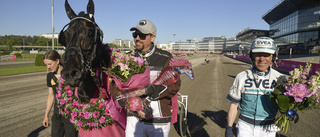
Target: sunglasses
<point>141,36</point>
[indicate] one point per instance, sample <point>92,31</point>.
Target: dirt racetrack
<point>23,101</point>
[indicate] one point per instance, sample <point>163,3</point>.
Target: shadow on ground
<point>234,63</point>
<point>220,118</point>
<point>195,126</point>
<point>36,132</point>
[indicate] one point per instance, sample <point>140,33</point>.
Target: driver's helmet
<point>265,45</point>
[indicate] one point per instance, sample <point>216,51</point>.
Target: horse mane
<point>81,14</point>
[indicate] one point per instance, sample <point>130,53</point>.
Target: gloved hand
<point>229,132</point>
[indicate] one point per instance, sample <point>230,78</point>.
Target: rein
<point>85,63</point>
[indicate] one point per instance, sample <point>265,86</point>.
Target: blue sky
<point>188,19</point>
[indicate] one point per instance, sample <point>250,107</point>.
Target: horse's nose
<point>72,77</point>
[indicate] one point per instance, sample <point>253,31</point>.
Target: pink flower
<point>81,114</point>
<point>87,115</point>
<point>141,61</point>
<point>58,95</point>
<point>85,106</point>
<point>69,93</point>
<point>74,104</point>
<point>73,119</point>
<point>95,114</point>
<point>126,59</point>
<point>67,88</point>
<point>62,101</point>
<point>298,91</point>
<point>66,110</point>
<point>74,114</point>
<point>102,119</point>
<point>111,49</point>
<point>101,105</point>
<point>62,80</point>
<point>69,99</point>
<point>106,112</point>
<point>89,123</point>
<point>94,124</point>
<point>60,87</point>
<point>120,64</point>
<point>136,104</point>
<point>79,123</point>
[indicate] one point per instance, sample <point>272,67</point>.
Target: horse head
<point>82,39</point>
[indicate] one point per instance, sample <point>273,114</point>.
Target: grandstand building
<point>295,24</point>
<point>219,44</point>
<point>246,37</point>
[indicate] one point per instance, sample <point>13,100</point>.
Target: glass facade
<point>298,28</point>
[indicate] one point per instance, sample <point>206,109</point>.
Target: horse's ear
<point>90,9</point>
<point>69,11</point>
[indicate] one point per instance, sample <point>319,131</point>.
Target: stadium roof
<point>286,7</point>
<point>249,33</point>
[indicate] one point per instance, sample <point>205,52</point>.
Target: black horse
<point>84,55</point>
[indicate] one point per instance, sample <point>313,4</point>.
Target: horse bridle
<point>98,33</point>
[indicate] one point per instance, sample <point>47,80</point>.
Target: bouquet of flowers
<point>298,93</point>
<point>82,115</point>
<point>124,66</point>
<point>129,74</point>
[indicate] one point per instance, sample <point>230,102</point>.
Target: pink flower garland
<point>82,115</point>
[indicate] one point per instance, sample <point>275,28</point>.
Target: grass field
<point>21,70</point>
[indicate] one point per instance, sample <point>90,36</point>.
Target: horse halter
<point>98,33</point>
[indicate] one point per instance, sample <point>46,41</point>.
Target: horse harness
<point>85,63</point>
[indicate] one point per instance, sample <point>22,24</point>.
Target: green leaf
<point>277,92</point>
<point>283,102</point>
<point>273,98</point>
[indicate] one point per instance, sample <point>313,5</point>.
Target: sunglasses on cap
<point>141,35</point>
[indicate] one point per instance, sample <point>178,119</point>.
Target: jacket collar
<point>148,53</point>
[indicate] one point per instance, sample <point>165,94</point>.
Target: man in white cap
<point>158,96</point>
<point>250,93</point>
